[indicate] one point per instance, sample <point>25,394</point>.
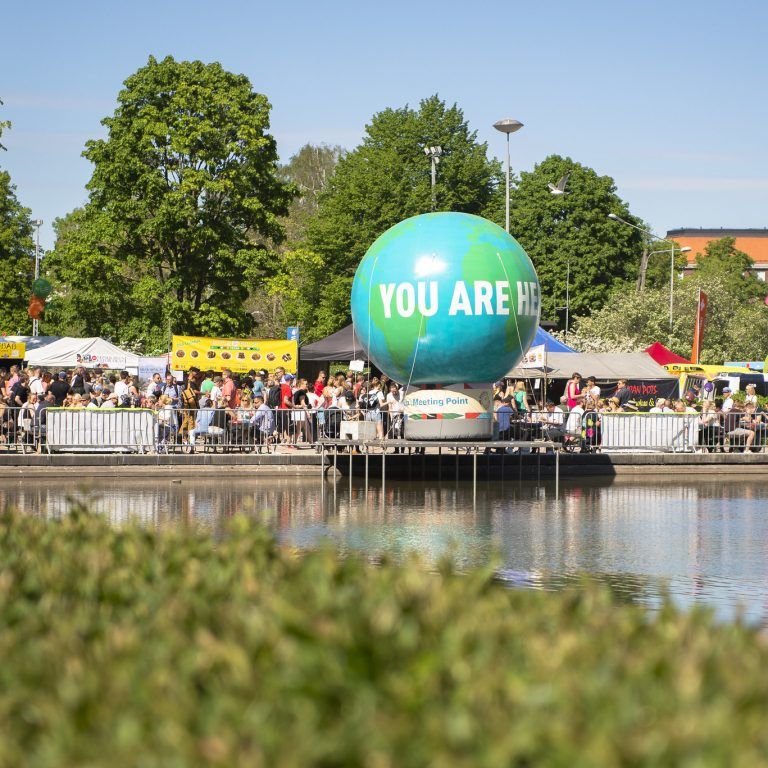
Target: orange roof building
<point>753,242</point>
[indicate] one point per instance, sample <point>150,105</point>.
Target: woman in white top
<point>395,408</point>
<point>751,395</point>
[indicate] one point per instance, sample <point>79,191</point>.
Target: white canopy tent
<point>605,367</point>
<point>93,352</point>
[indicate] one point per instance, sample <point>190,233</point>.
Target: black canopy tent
<point>340,346</point>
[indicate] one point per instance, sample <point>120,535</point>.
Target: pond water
<point>705,541</point>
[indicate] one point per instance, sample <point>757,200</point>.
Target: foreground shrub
<point>124,647</point>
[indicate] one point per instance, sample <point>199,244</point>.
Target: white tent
<point>93,352</point>
<point>604,367</point>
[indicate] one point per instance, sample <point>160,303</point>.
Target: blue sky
<point>668,98</point>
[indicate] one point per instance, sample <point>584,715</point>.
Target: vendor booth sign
<point>534,357</point>
<point>12,350</point>
<point>645,393</point>
<point>239,355</point>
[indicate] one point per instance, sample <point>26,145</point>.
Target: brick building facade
<point>753,242</point>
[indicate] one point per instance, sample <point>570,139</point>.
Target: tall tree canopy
<point>384,180</point>
<point>309,170</point>
<point>387,178</point>
<point>736,323</point>
<point>184,199</point>
<point>574,228</point>
<point>17,254</point>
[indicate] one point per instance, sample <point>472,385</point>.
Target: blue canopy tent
<point>551,344</point>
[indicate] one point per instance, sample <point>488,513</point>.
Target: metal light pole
<point>671,250</point>
<point>507,125</point>
<point>434,154</point>
<point>36,223</point>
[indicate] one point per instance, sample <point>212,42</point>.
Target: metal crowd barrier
<point>218,430</point>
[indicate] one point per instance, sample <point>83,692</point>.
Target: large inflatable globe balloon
<point>445,297</point>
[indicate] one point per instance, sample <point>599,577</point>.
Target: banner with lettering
<point>238,355</point>
<point>12,350</point>
<point>645,392</point>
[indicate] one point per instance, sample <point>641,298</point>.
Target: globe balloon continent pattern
<point>445,297</point>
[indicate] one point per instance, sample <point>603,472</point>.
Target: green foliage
<point>17,255</point>
<point>387,179</point>
<point>125,647</point>
<point>384,180</point>
<point>574,228</point>
<point>309,171</point>
<point>184,199</point>
<point>722,260</point>
<point>735,327</point>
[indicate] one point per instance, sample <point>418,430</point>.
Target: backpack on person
<point>273,397</point>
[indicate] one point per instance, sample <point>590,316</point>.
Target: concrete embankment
<point>417,467</point>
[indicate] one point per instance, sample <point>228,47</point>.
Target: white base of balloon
<point>454,412</point>
<point>448,429</point>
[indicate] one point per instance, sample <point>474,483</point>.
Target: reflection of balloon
<point>36,307</point>
<point>41,288</point>
<point>445,297</point>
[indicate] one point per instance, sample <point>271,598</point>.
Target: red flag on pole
<point>698,331</point>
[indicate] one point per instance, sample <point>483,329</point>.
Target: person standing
<point>320,384</point>
<point>59,388</point>
<point>228,388</point>
<point>623,392</point>
<point>573,391</point>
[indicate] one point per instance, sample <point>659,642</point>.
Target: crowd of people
<point>262,408</point>
<point>256,408</point>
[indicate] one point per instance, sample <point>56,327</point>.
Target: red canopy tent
<point>662,355</point>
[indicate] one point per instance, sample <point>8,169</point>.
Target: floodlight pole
<point>434,154</point>
<point>36,223</point>
<point>507,125</point>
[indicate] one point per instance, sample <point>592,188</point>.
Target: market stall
<point>93,352</point>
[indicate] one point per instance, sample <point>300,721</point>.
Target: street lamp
<point>508,125</point>
<point>36,223</point>
<point>434,154</point>
<point>684,249</point>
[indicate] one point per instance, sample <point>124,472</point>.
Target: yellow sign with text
<point>239,355</point>
<point>12,350</point>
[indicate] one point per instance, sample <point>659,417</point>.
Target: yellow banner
<point>10,350</point>
<point>239,355</point>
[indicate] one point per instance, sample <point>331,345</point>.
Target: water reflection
<point>705,539</point>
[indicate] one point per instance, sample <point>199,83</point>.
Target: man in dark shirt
<point>20,391</point>
<point>623,392</point>
<point>60,388</point>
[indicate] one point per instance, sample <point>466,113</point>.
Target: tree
<point>17,254</point>
<point>722,258</point>
<point>735,326</point>
<point>387,179</point>
<point>309,170</point>
<point>558,231</point>
<point>184,202</point>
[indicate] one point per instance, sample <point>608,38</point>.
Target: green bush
<point>127,647</point>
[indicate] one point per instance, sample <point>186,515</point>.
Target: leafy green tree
<point>387,178</point>
<point>722,258</point>
<point>735,326</point>
<point>17,254</point>
<point>185,199</point>
<point>309,170</point>
<point>573,230</point>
